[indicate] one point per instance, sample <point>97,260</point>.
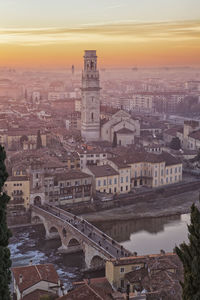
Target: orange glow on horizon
<point>133,44</point>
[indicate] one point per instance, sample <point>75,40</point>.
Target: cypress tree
<point>5,234</point>
<point>39,140</point>
<point>189,254</point>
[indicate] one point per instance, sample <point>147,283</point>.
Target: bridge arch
<point>97,262</point>
<point>73,242</point>
<point>54,233</point>
<point>36,220</point>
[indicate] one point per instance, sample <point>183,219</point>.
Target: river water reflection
<point>149,235</point>
<point>143,236</point>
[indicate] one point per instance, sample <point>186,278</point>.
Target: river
<point>142,236</point>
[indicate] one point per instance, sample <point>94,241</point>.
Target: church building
<point>121,126</point>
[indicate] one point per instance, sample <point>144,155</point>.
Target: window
<point>175,178</point>
<point>167,172</point>
<point>171,171</point>
<point>179,169</point>
<point>156,182</point>
<point>162,172</point>
<point>99,182</point>
<point>104,182</point>
<point>115,180</point>
<point>121,188</point>
<point>127,188</point>
<point>92,116</point>
<point>115,190</point>
<point>122,179</point>
<point>110,181</point>
<point>156,173</point>
<point>121,270</point>
<point>175,170</point>
<point>166,179</point>
<point>126,178</point>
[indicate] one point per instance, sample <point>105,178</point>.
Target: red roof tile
<point>34,274</point>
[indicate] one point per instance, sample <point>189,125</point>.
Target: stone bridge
<point>76,235</point>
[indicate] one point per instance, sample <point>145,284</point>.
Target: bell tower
<point>90,111</point>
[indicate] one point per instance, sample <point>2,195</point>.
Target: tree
<point>5,233</point>
<point>175,143</point>
<point>189,254</point>
<point>114,144</point>
<point>39,140</point>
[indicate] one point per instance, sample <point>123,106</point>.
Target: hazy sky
<point>124,32</point>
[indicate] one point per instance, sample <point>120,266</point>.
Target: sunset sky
<point>126,33</point>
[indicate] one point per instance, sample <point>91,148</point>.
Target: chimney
<point>162,251</point>
<point>30,262</point>
<point>127,291</point>
<point>134,253</point>
<point>20,279</point>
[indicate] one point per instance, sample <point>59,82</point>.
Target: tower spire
<point>90,113</point>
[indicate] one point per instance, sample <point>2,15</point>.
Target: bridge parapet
<point>94,229</point>
<point>91,240</point>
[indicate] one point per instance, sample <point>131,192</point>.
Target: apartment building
<point>148,169</point>
<point>67,187</point>
<point>105,179</point>
<point>18,188</point>
<point>91,157</point>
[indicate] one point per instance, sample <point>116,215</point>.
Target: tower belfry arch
<point>90,113</point>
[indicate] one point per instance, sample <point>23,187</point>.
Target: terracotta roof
<point>195,135</point>
<point>119,162</point>
<point>17,178</point>
<point>36,295</point>
<point>135,259</point>
<point>157,275</point>
<point>72,174</point>
<point>132,156</point>
<point>173,131</point>
<point>81,293</point>
<point>93,289</point>
<point>102,171</point>
<point>34,274</point>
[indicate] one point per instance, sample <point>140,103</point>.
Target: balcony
<point>17,200</point>
<point>17,193</point>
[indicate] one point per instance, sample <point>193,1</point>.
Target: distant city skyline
<point>124,33</point>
